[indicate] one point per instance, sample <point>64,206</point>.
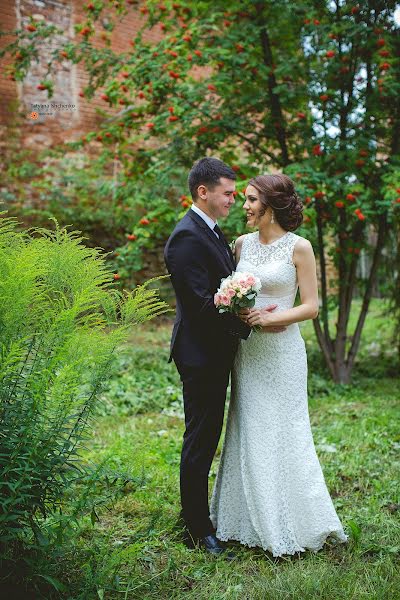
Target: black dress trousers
<point>204,394</point>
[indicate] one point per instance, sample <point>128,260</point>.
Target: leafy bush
<point>61,322</point>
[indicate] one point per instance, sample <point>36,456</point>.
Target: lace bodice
<point>273,264</point>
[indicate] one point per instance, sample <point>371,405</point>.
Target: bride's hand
<point>261,318</point>
<point>244,314</point>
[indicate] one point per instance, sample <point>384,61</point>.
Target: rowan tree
<point>309,88</point>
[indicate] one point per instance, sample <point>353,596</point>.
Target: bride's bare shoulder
<point>303,252</point>
<point>302,244</point>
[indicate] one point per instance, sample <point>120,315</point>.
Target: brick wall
<point>8,89</point>
<point>17,99</point>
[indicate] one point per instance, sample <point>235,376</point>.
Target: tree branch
<point>324,346</point>
<point>324,295</point>
<point>340,341</point>
<point>352,271</point>
<point>368,292</point>
<point>241,136</point>
<point>395,136</point>
<point>276,109</point>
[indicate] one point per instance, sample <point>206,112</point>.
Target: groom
<point>203,342</point>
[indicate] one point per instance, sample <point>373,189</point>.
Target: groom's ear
<point>201,193</point>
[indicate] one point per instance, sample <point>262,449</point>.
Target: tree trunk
<point>274,100</point>
<point>342,374</point>
<point>339,361</point>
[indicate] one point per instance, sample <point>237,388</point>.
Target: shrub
<point>61,320</point>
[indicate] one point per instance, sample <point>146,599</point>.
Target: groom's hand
<point>272,329</point>
<point>268,308</point>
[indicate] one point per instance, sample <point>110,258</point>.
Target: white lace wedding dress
<point>270,489</point>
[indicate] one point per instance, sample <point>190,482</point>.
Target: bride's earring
<point>272,217</point>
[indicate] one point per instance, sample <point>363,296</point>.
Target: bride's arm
<point>304,261</point>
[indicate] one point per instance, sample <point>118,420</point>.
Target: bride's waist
<point>282,303</point>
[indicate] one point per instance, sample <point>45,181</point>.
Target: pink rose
<point>251,280</point>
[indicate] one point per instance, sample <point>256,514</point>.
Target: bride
<point>270,489</point>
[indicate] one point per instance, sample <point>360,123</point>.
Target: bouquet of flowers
<point>237,291</point>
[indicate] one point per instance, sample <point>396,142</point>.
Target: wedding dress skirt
<point>270,489</point>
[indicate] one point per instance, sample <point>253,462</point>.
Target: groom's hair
<point>208,171</point>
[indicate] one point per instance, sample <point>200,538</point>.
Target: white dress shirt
<point>208,220</point>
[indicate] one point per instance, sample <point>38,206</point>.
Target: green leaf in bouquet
<point>243,303</point>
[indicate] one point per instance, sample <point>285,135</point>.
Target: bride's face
<point>253,207</point>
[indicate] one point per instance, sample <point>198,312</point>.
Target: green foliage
<point>61,322</point>
<point>134,548</point>
<point>310,89</point>
<point>127,218</point>
<point>142,380</point>
<point>137,387</point>
<point>306,87</point>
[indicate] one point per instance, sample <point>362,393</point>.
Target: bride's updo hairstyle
<point>277,191</point>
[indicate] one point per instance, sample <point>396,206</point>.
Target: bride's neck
<point>270,232</point>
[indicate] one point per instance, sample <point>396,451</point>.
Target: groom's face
<point>217,201</point>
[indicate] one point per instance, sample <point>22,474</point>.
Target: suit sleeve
<point>186,260</point>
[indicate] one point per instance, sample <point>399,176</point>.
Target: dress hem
<point>340,538</point>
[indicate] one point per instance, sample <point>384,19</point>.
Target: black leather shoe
<point>213,546</point>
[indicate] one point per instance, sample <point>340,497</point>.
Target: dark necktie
<point>220,234</point>
<point>222,238</point>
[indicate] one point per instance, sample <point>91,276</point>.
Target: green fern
<point>143,303</point>
<point>61,321</point>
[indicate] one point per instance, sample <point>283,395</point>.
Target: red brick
<point>85,117</point>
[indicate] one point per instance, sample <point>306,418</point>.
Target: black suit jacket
<point>197,261</point>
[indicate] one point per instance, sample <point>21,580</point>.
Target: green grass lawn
<point>134,551</point>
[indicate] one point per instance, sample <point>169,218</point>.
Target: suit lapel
<point>227,246</point>
<point>212,237</point>
<point>230,254</point>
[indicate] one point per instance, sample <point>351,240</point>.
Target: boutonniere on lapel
<point>232,246</point>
